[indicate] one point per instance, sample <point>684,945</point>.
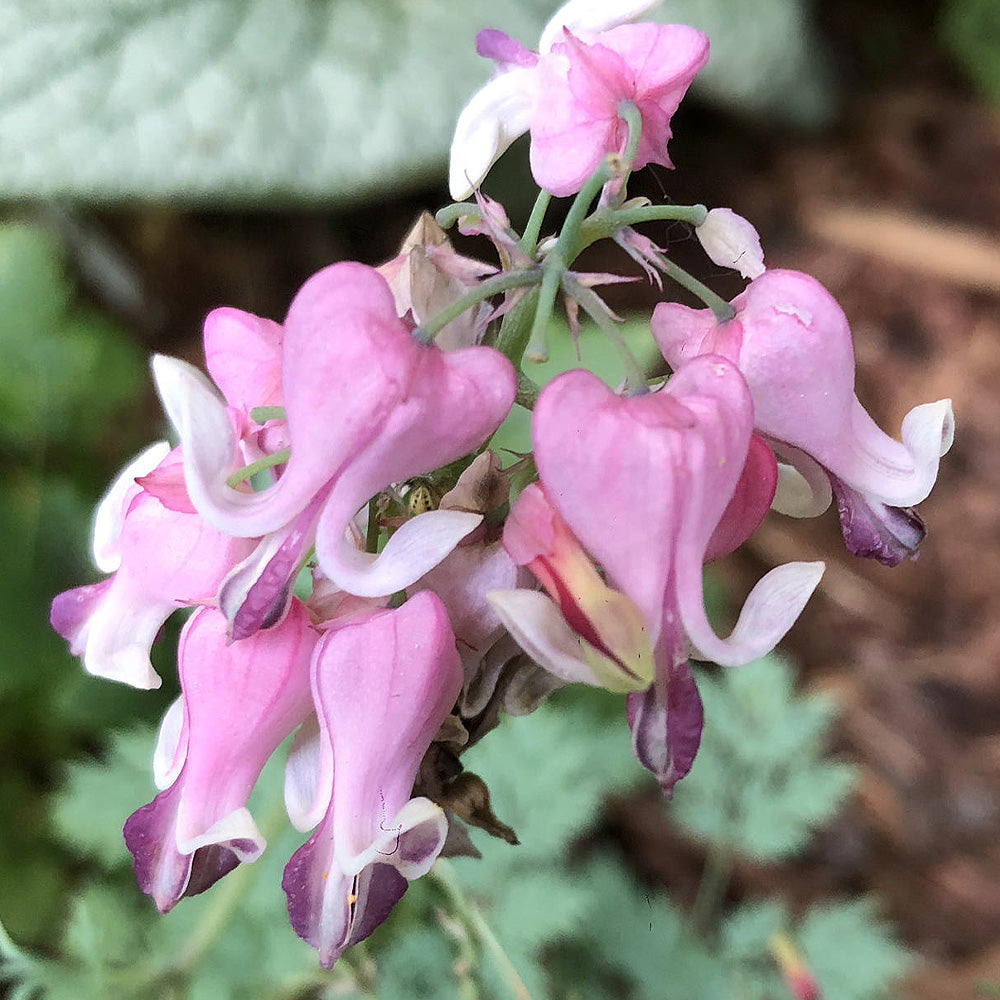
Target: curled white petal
<point>410,842</point>
<point>110,514</point>
<point>237,831</point>
<point>414,549</point>
<point>169,755</point>
<point>494,117</point>
<point>803,485</point>
<point>768,613</point>
<point>308,777</point>
<point>584,17</point>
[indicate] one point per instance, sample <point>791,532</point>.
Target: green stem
<point>529,241</point>
<point>722,309</point>
<point>447,217</point>
<point>635,377</point>
<point>515,328</point>
<point>561,256</point>
<point>606,222</point>
<point>251,470</point>
<point>426,332</point>
<point>467,911</point>
<point>630,114</point>
<point>711,889</point>
<point>537,350</point>
<point>621,217</point>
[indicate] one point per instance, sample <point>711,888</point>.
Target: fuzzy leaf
<point>758,783</point>
<point>98,796</point>
<point>851,951</point>
<point>416,966</point>
<point>208,99</point>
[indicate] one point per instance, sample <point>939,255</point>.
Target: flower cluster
<point>368,575</point>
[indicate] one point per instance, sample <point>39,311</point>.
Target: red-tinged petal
<point>749,504</point>
<point>875,531</point>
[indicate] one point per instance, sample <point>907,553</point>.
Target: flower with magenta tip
<point>791,341</point>
<point>366,405</point>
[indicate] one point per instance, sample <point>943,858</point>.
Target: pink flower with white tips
<point>382,687</point>
<point>641,485</point>
<point>590,59</point>
<point>366,406</point>
<point>239,701</point>
<point>162,557</point>
<point>791,341</point>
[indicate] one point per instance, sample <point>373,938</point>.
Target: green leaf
<point>852,953</point>
<point>202,99</point>
<point>107,926</point>
<point>971,29</point>
<point>66,373</point>
<point>547,773</point>
<point>98,796</point>
<point>759,784</point>
<point>765,60</point>
<point>417,966</point>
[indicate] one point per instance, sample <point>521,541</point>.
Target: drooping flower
<point>640,486</point>
<point>590,59</point>
<point>162,557</point>
<point>791,341</point>
<point>366,405</point>
<point>239,701</point>
<point>382,687</point>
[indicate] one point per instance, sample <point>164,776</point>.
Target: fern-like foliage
<point>760,784</point>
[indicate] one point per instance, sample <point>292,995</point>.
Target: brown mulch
<point>899,216</point>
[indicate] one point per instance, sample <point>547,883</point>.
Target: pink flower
<point>589,60</point>
<point>366,406</point>
<point>576,124</point>
<point>647,488</point>
<point>162,557</point>
<point>792,343</point>
<point>239,701</point>
<point>382,687</point>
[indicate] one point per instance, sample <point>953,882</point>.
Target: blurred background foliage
<point>336,105</point>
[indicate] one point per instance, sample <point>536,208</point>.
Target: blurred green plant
<point>293,100</point>
<point>69,389</point>
<point>971,29</point>
<point>534,921</point>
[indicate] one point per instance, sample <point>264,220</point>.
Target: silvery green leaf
<point>765,58</point>
<point>219,99</point>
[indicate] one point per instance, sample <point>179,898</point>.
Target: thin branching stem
<point>426,332</point>
<point>529,241</point>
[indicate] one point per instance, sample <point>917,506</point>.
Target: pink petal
<point>243,356</point>
<point>109,518</point>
